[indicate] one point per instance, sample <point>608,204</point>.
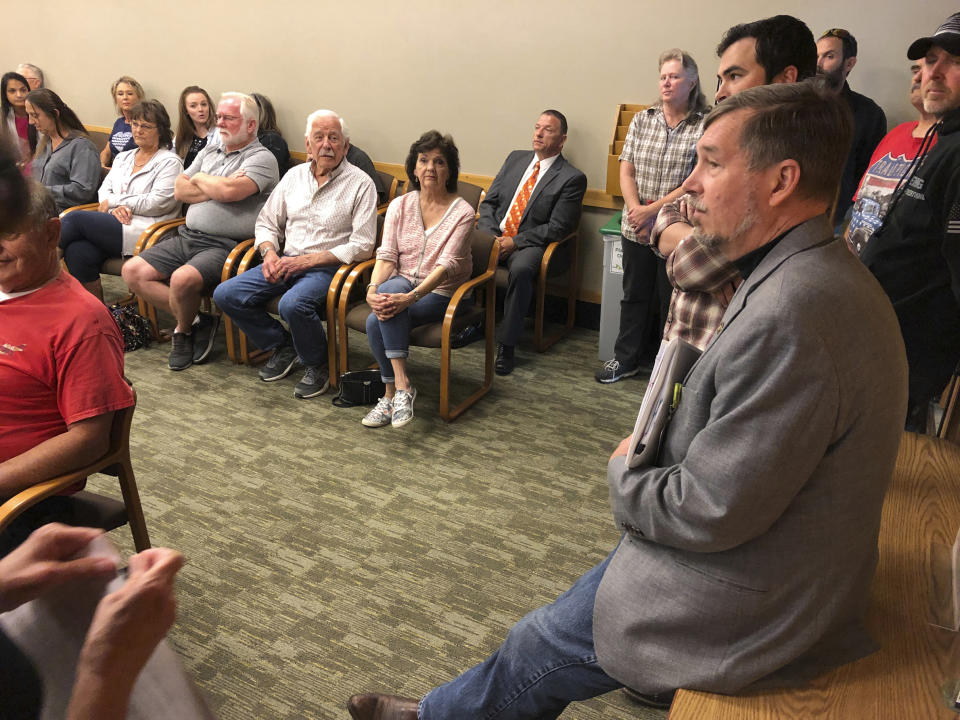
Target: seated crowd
<point>736,590</point>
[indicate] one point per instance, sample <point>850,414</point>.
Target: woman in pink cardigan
<point>424,257</point>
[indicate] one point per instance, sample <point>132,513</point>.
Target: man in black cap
<point>915,254</point>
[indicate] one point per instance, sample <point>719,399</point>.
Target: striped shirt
<point>662,156</point>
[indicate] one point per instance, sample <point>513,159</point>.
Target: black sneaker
<point>280,363</point>
<point>660,701</point>
<point>181,352</point>
<point>315,381</point>
<point>204,333</point>
<point>612,371</point>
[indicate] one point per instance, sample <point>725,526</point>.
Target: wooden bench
<point>901,681</point>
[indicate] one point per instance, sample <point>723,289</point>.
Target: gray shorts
<point>207,253</point>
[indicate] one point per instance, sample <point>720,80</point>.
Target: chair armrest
<point>35,493</point>
<point>552,248</point>
<point>151,236</point>
<point>336,283</point>
<point>347,287</point>
<point>85,206</point>
<point>488,276</point>
<point>235,259</point>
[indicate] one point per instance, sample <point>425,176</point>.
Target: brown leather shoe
<point>374,706</point>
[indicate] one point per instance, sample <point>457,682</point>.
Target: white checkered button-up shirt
<point>304,217</point>
<point>662,156</point>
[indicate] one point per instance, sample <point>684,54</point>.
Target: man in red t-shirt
<point>61,359</point>
<point>889,162</point>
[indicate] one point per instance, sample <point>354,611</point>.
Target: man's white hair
<point>32,68</point>
<point>248,106</point>
<point>316,114</point>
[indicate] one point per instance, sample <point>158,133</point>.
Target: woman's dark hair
<point>433,140</point>
<point>186,130</point>
<point>153,111</point>
<point>6,108</point>
<point>50,104</point>
<point>268,116</point>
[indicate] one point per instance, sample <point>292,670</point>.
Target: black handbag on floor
<point>359,387</point>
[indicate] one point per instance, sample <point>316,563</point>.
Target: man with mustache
<point>890,162</point>
<point>836,56</point>
<point>747,555</point>
<point>226,185</point>
<point>915,254</point>
<point>322,214</point>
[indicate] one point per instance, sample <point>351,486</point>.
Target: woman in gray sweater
<point>66,161</point>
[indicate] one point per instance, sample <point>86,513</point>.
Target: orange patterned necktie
<point>516,212</point>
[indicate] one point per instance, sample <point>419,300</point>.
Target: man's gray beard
<point>714,240</point>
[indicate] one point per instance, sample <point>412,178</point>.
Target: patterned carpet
<point>325,558</point>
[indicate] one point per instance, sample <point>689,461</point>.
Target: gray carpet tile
<point>326,558</point>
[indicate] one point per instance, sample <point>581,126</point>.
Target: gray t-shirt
<point>233,220</point>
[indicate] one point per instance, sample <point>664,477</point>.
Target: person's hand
<point>621,448</point>
<point>641,215</point>
<point>389,304</point>
<point>271,267</point>
<point>44,561</point>
<point>126,628</point>
<point>104,206</point>
<point>291,266</point>
<point>122,214</point>
<point>506,246</point>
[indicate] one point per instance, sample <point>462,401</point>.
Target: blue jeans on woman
<point>546,662</point>
<point>88,238</point>
<point>244,299</point>
<point>391,338</point>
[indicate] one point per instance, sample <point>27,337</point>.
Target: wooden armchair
<point>352,314</point>
<point>391,183</point>
<point>157,233</point>
<point>473,194</point>
<point>89,508</point>
<point>560,255</point>
<point>238,346</point>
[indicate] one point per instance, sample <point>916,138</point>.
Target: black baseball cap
<point>947,36</point>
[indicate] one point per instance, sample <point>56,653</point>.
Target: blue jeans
<point>546,662</point>
<point>391,338</point>
<point>244,299</point>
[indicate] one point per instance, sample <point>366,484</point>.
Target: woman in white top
<point>136,193</point>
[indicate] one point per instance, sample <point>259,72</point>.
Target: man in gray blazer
<point>748,551</point>
<point>551,211</point>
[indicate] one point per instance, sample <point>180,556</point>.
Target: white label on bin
<point>616,259</point>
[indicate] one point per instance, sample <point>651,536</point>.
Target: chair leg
<point>131,500</point>
<point>447,413</point>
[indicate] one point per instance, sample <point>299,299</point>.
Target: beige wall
<point>481,71</point>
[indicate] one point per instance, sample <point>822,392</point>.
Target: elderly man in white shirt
<point>321,215</point>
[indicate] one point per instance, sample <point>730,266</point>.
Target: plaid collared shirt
<point>703,281</point>
<point>662,156</point>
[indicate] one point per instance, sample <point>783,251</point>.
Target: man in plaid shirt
<point>774,50</point>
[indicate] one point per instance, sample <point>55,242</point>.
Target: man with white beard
<point>226,185</point>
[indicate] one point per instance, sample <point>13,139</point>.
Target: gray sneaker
<point>612,371</point>
<point>204,333</point>
<point>181,352</point>
<point>381,414</point>
<point>280,363</point>
<point>315,381</point>
<point>403,407</point>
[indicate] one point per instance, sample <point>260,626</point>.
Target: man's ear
<point>848,65</point>
<point>306,148</point>
<point>785,176</point>
<point>52,231</point>
<point>787,75</point>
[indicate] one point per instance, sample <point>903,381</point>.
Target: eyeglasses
<point>142,126</point>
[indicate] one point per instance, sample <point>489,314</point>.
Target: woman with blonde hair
<point>126,92</point>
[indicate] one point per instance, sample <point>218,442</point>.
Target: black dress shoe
<point>374,706</point>
<point>660,701</point>
<point>505,360</point>
<point>470,334</point>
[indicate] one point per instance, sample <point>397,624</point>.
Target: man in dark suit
<point>534,200</point>
<point>748,552</point>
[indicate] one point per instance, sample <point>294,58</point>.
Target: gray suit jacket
<point>747,557</point>
<point>553,210</point>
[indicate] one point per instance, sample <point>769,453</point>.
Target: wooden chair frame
<point>115,461</point>
<point>541,342</point>
<point>485,282</point>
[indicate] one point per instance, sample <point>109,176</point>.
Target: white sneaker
<point>403,407</point>
<point>381,414</point>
